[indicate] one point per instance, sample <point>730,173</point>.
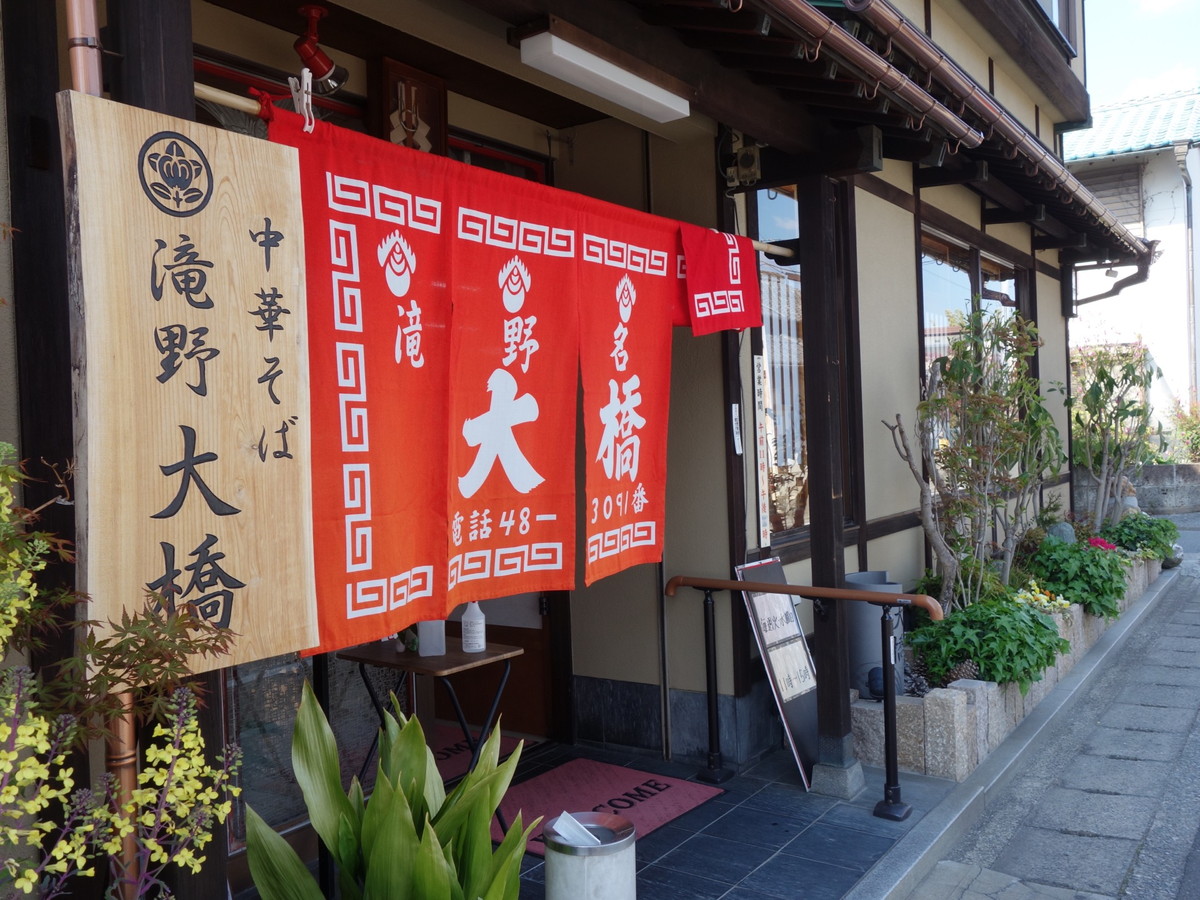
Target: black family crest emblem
<point>175,174</point>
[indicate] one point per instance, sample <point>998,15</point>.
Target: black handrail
<point>891,806</point>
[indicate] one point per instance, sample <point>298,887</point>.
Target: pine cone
<point>914,664</point>
<point>965,669</point>
<point>916,685</point>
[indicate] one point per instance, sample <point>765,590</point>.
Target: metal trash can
<point>604,871</point>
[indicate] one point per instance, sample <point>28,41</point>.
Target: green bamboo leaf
<point>433,874</point>
<point>388,817</point>
<point>394,850</point>
<point>511,850</point>
<point>318,771</point>
<point>351,861</point>
<point>409,769</point>
<point>476,788</point>
<point>278,872</point>
<point>358,802</point>
<point>473,851</point>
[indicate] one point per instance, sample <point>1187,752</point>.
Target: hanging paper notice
<point>785,654</point>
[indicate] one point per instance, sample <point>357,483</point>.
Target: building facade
<point>1141,158</point>
<point>907,154</point>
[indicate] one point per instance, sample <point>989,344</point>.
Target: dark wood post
<point>823,324</point>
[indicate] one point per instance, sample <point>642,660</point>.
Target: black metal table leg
<point>379,711</point>
<point>488,723</point>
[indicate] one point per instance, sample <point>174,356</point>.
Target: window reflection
<point>783,358</point>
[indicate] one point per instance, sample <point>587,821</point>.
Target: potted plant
<point>984,444</point>
<point>409,839</point>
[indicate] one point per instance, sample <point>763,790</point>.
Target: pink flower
<point>1101,543</point>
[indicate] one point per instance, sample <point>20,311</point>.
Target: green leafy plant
<point>1112,431</point>
<point>1082,573</point>
<point>410,839</point>
<point>1008,641</point>
<point>984,445</point>
<point>1140,532</point>
<point>50,831</point>
<point>1186,446</point>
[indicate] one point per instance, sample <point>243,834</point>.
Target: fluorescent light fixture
<point>555,56</point>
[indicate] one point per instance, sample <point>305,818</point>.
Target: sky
<point>1138,48</point>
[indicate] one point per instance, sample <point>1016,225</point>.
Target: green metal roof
<point>1145,123</point>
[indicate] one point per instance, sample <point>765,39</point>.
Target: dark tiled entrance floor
<point>765,838</point>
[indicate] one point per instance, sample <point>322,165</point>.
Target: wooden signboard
<point>191,373</point>
<point>785,654</point>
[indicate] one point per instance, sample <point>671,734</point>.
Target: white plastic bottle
<point>474,638</point>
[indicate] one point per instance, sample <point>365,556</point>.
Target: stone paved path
<point>1108,804</point>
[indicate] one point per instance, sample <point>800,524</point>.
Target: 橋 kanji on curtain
<point>629,286</point>
<point>378,238</point>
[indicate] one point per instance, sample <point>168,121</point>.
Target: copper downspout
<point>83,47</point>
<point>888,21</point>
<point>120,758</point>
<point>826,33</point>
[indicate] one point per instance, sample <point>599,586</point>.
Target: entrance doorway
<point>536,702</point>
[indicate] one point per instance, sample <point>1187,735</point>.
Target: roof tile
<point>1144,123</point>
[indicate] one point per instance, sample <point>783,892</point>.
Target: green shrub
<point>1140,532</point>
<point>1008,642</point>
<point>1187,434</point>
<point>1090,576</point>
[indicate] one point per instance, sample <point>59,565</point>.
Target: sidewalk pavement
<point>1097,793</point>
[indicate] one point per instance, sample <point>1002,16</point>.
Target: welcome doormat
<point>581,785</point>
<point>452,753</point>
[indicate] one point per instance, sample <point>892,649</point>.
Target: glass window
<point>946,287</point>
<point>783,361</point>
<point>959,279</point>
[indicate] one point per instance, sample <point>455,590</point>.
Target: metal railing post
<point>891,806</point>
<point>715,773</point>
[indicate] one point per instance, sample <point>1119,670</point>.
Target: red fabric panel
<point>447,306</point>
<point>514,361</point>
<point>627,295</point>
<point>722,280</point>
<point>376,236</point>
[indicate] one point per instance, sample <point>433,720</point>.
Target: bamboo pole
<point>251,107</point>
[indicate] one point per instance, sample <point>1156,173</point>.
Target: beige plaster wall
<point>1052,356</point>
<point>950,32</point>
<point>970,46</point>
<point>901,555</point>
<point>501,125</point>
<point>697,512</point>
<point>1016,235</point>
<point>957,200</point>
<point>1011,93</point>
<point>605,161</point>
<point>888,328</point>
<point>897,173</point>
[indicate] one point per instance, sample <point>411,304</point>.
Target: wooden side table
<point>454,660</point>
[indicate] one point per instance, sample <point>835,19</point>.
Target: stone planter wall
<point>951,730</point>
<point>1161,490</point>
